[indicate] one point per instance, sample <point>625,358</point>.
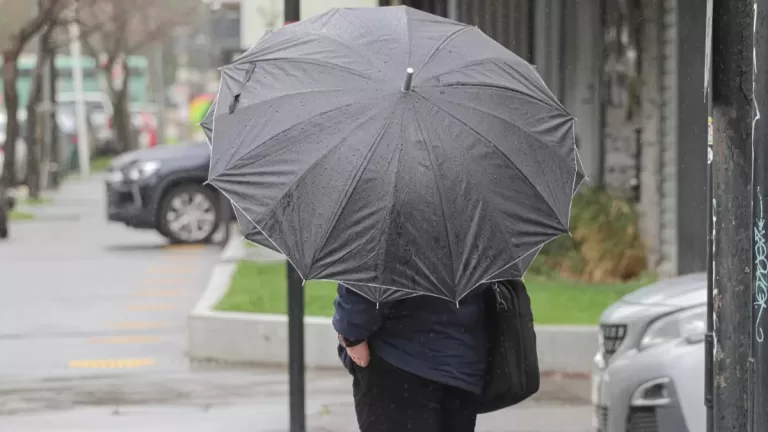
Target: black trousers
<point>388,399</point>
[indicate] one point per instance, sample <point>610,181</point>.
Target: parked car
<point>99,110</point>
<point>99,143</point>
<point>648,374</point>
<point>21,152</point>
<point>162,188</point>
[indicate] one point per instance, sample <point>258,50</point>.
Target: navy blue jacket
<point>424,335</point>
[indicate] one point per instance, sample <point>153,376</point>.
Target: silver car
<point>648,374</point>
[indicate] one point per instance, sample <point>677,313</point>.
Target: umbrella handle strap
<point>236,97</point>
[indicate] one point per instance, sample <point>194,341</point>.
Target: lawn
<point>101,163</point>
<point>16,215</point>
<point>36,201</point>
<point>261,288</point>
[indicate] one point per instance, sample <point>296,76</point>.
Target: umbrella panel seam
<point>484,138</point>
<point>347,194</point>
<point>521,128</point>
<point>439,185</point>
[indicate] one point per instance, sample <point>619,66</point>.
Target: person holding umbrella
<point>413,160</point>
<point>418,363</point>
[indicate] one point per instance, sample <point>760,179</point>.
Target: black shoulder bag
<point>512,373</point>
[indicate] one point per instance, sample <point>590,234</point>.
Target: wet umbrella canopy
<point>394,151</point>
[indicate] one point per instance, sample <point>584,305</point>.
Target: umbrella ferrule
<point>408,80</point>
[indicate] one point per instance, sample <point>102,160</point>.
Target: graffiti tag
<point>761,273</point>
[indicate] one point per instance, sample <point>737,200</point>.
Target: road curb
<point>234,250</point>
<point>565,352</point>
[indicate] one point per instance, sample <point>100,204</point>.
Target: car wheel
<point>189,214</point>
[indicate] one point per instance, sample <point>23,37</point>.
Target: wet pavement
<point>93,339</point>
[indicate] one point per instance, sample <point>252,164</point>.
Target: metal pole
<point>83,146</point>
<point>160,91</point>
<point>732,217</point>
<point>758,376</point>
<point>709,339</point>
<point>292,14</point>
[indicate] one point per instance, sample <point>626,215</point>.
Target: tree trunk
<point>122,117</point>
<point>57,151</point>
<point>32,139</point>
<point>11,96</point>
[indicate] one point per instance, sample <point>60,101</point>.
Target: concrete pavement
<point>81,296</point>
<point>92,339</point>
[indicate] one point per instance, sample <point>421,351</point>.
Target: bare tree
<point>127,27</point>
<point>49,11</point>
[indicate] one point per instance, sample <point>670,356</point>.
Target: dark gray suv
<point>162,188</point>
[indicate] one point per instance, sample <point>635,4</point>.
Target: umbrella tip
<point>408,80</point>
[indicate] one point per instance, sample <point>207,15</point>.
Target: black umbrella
<point>394,151</point>
<point>207,123</point>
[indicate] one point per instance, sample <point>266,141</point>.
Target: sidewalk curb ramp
<point>565,352</point>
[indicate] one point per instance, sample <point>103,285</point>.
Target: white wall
<point>259,15</point>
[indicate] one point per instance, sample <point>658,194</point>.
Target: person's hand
<point>360,354</point>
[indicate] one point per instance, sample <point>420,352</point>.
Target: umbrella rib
<point>491,60</point>
<point>284,131</point>
<point>303,175</point>
<point>348,193</point>
<point>490,86</point>
<point>317,63</point>
<point>484,138</point>
<point>339,42</point>
<point>440,46</point>
<point>516,126</point>
<point>439,184</point>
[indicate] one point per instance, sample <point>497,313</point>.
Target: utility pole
<point>292,14</point>
<point>758,365</point>
<point>732,66</point>
<point>75,48</point>
<point>159,84</point>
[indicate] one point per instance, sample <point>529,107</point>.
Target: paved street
<point>80,296</point>
<point>92,339</point>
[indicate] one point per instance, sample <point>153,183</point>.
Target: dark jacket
<point>424,335</point>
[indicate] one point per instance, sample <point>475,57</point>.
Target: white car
<point>21,152</point>
<point>648,375</point>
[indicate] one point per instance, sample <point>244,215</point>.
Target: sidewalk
<point>213,400</point>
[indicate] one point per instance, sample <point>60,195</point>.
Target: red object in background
<point>148,128</point>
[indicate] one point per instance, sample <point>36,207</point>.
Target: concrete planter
<point>245,338</point>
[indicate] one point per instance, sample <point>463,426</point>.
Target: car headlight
<point>688,324</point>
<point>142,170</point>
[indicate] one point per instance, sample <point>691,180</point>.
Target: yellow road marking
<point>150,307</point>
<point>161,293</point>
<point>124,339</point>
<point>182,257</point>
<point>112,363</point>
<point>166,281</point>
<point>173,270</point>
<point>138,325</point>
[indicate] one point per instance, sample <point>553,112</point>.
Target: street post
<point>732,67</point>
<point>709,338</point>
<point>292,14</point>
<point>758,361</point>
<point>75,49</point>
